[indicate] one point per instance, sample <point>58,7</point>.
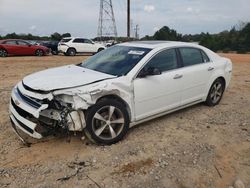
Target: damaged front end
<point>39,114</point>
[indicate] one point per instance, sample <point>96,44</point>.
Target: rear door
<point>197,70</point>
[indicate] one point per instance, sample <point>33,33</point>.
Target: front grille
<point>20,111</point>
<point>31,102</point>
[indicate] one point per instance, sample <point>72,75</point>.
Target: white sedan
<point>117,88</point>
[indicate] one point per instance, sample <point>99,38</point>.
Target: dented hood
<point>63,77</point>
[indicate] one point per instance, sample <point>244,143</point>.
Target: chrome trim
<point>24,105</point>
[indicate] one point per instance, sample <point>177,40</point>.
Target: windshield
<point>116,60</point>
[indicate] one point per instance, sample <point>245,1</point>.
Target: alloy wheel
<point>108,122</point>
<point>39,53</point>
<point>216,92</point>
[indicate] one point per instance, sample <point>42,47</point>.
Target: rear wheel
<point>71,52</point>
<point>107,122</point>
<point>3,53</point>
<point>215,93</point>
<point>39,52</point>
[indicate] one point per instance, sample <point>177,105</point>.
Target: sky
<point>80,17</point>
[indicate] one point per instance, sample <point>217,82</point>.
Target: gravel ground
<point>196,147</point>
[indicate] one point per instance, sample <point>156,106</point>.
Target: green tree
<point>66,35</point>
<point>56,36</point>
<point>165,33</point>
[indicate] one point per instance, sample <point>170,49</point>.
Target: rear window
<point>191,56</point>
<point>65,40</point>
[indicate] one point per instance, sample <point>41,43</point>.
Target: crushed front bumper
<point>22,110</point>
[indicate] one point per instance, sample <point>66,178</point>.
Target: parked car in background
<point>21,47</point>
<point>117,88</point>
<point>52,45</point>
<point>71,46</point>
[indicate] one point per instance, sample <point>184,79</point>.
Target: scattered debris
<point>217,171</point>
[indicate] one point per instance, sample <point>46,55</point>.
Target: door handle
<point>210,69</point>
<point>178,76</point>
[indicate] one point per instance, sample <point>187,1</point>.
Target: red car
<point>21,47</point>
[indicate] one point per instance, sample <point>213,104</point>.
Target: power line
<point>107,25</point>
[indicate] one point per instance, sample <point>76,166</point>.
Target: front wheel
<point>215,93</point>
<point>100,49</point>
<point>107,122</point>
<point>39,52</point>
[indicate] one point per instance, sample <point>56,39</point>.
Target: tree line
<point>55,36</point>
<point>235,39</point>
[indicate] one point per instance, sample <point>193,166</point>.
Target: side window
<point>22,43</point>
<point>205,57</point>
<point>11,42</point>
<point>191,56</point>
<point>78,40</point>
<point>164,61</point>
<point>87,41</point>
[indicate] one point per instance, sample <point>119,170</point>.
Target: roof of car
<point>158,44</point>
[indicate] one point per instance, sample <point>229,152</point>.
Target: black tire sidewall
<point>69,50</point>
<point>90,114</point>
<point>209,101</point>
<point>100,49</point>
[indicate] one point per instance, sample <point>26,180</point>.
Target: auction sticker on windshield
<point>136,52</point>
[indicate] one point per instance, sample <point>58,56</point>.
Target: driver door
<point>24,48</point>
<point>158,93</point>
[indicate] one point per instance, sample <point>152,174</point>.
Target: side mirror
<point>151,71</point>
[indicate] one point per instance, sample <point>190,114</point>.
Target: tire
<point>107,122</point>
<point>215,93</point>
<point>3,53</point>
<point>54,52</point>
<point>71,52</point>
<point>100,49</point>
<point>39,52</point>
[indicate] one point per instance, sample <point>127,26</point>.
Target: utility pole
<point>128,19</point>
<point>137,31</point>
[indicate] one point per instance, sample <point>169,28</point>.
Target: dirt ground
<point>196,147</point>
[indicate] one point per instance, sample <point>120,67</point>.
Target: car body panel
<point>164,94</point>
<point>55,78</point>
